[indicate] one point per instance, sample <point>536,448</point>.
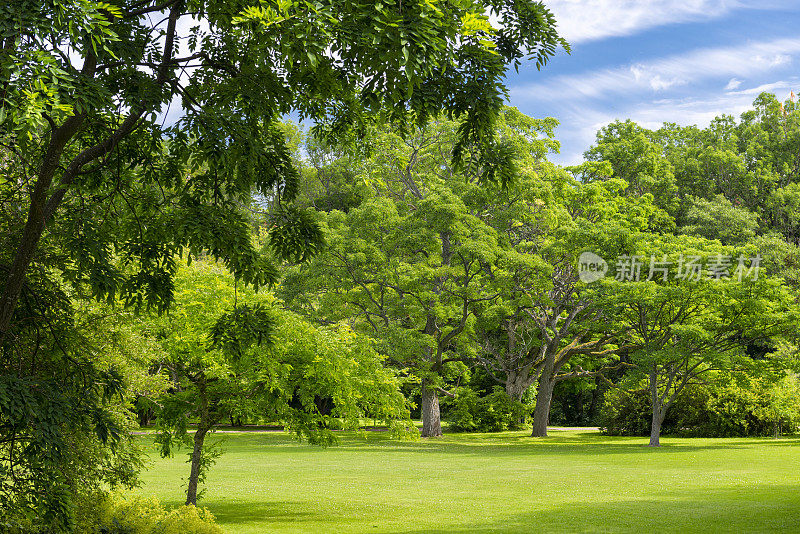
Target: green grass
<point>573,481</point>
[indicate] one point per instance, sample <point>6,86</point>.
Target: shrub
<point>724,408</point>
<point>624,414</point>
<point>494,412</point>
<point>131,514</point>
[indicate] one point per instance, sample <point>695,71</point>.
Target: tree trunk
<point>544,398</point>
<point>431,417</point>
<point>657,409</point>
<point>194,474</point>
<point>655,428</point>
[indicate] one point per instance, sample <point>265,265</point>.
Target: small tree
<point>249,359</point>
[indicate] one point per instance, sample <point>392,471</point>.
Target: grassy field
<point>573,481</point>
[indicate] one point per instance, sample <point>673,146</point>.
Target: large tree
<point>135,130</point>
<point>412,264</point>
<point>700,313</point>
<point>550,318</point>
<point>83,83</point>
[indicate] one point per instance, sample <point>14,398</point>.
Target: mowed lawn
<point>574,481</point>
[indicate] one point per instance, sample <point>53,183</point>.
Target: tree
<point>102,188</point>
<point>784,210</point>
<point>682,327</point>
<point>231,353</point>
<point>411,273</point>
<point>719,219</point>
<point>639,160</point>
<point>81,91</point>
<point>550,318</point>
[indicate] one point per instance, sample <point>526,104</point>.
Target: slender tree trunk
<point>658,410</point>
<point>544,398</point>
<point>655,428</point>
<point>194,474</point>
<point>431,416</point>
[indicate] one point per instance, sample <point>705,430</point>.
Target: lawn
<point>574,481</point>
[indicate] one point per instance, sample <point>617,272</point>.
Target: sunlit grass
<point>573,481</point>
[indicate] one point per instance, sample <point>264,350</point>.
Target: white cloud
<point>776,88</point>
<point>586,20</point>
<point>733,84</point>
<point>661,74</point>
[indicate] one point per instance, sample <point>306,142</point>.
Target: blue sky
<point>659,61</point>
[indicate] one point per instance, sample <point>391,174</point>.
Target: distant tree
<point>412,269</point>
<point>421,258</point>
<point>719,219</point>
<point>639,159</point>
<point>681,328</point>
<point>550,325</point>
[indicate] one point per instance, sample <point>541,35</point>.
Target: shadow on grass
<point>239,513</point>
<point>499,444</point>
<point>771,508</point>
<point>595,444</point>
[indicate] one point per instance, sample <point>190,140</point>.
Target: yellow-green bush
<point>131,514</point>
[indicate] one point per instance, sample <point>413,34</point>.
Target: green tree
<point>100,193</point>
<point>784,212</point>
<point>551,326</point>
<point>683,325</point>
<point>229,353</point>
<point>415,262</point>
<point>82,121</point>
<point>719,219</point>
<point>639,159</point>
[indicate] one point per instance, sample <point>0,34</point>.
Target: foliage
<point>719,219</point>
<point>66,393</point>
<point>733,407</point>
<point>119,513</point>
<point>102,189</point>
<point>417,260</point>
<point>494,412</point>
<point>234,354</point>
<point>87,130</point>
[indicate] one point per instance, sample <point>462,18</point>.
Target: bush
<point>494,412</point>
<point>625,415</point>
<point>732,408</point>
<point>132,514</point>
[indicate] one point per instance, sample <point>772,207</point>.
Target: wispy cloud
<point>661,74</point>
<point>587,20</point>
<point>581,124</point>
